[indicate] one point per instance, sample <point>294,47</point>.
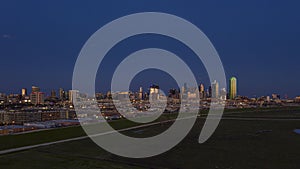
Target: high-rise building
<point>62,95</point>
<point>37,98</point>
<point>209,92</point>
<point>202,91</point>
<point>24,92</point>
<point>223,94</point>
<point>35,89</point>
<point>232,88</point>
<point>184,91</point>
<point>73,95</point>
<point>185,88</point>
<point>141,93</point>
<point>215,89</point>
<point>154,92</point>
<point>53,93</point>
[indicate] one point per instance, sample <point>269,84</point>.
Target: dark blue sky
<point>258,41</point>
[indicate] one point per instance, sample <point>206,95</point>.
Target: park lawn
<point>235,144</point>
<point>45,136</point>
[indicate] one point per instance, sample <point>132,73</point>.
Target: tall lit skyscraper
<point>202,91</point>
<point>215,89</point>
<point>232,88</point>
<point>73,95</point>
<point>35,89</point>
<point>24,92</point>
<point>141,93</point>
<point>154,92</point>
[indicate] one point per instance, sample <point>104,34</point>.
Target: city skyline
<point>149,84</point>
<point>212,90</point>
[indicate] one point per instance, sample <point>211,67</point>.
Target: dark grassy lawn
<point>236,144</point>
<point>19,140</point>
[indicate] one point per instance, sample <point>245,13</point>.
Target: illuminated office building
<point>215,89</point>
<point>24,92</point>
<point>232,88</point>
<point>37,98</point>
<point>35,89</point>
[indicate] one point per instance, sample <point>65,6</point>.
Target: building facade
<point>232,88</point>
<point>215,90</point>
<point>37,98</point>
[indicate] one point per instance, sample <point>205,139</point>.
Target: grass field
<point>19,140</point>
<point>247,144</point>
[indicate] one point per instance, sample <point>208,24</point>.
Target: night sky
<point>258,41</point>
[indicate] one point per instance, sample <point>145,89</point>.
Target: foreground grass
<point>44,159</point>
<point>20,140</point>
<point>235,144</point>
<point>45,136</point>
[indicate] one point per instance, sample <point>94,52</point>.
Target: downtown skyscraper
<point>215,90</point>
<point>232,88</point>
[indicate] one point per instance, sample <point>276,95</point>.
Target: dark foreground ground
<point>238,143</point>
